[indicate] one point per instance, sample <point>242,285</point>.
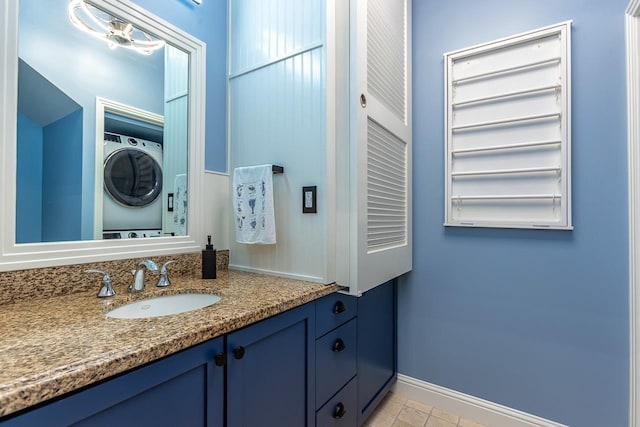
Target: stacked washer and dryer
<point>132,202</point>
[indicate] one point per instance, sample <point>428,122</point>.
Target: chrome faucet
<point>107,289</point>
<point>164,281</point>
<point>138,275</point>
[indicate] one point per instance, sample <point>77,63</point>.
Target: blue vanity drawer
<point>333,310</point>
<point>335,361</point>
<point>341,410</point>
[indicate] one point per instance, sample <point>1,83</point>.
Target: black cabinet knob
<point>339,308</point>
<point>238,352</point>
<point>339,411</point>
<point>220,359</point>
<point>338,345</point>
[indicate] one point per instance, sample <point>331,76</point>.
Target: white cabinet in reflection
<point>176,92</point>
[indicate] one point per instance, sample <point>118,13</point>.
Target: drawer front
<point>341,410</point>
<point>335,361</point>
<point>334,310</point>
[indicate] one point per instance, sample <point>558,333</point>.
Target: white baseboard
<point>476,409</point>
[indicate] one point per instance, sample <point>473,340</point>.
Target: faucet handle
<point>107,288</point>
<point>151,266</point>
<point>164,281</point>
<point>163,270</point>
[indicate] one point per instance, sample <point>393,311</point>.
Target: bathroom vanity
<point>273,351</point>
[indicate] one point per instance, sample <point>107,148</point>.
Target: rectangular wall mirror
<point>103,133</point>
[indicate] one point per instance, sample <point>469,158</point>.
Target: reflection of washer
<point>132,184</point>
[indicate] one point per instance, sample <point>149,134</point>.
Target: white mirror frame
<point>33,255</point>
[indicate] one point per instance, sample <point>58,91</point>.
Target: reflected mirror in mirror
<point>102,127</point>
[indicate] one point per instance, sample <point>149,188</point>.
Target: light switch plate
<point>309,199</point>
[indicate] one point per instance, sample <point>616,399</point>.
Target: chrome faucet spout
<point>138,275</point>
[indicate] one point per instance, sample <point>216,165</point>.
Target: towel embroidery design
<point>180,205</point>
<point>253,205</point>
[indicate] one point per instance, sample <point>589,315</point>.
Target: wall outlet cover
<point>309,200</point>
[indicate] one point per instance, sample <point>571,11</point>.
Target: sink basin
<point>163,306</point>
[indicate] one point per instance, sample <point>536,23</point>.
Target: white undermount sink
<point>163,306</point>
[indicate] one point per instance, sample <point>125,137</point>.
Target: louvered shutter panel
<point>383,139</point>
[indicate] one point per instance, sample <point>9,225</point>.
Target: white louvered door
<point>381,137</point>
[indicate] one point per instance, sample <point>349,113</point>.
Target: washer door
<point>132,177</point>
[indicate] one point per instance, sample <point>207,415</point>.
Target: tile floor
<point>398,411</point>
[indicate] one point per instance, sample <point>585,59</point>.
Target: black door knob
<point>339,411</point>
<point>220,359</point>
<point>238,352</point>
<point>338,345</point>
<point>339,308</point>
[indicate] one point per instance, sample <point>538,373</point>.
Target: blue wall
<point>62,179</point>
<point>208,22</point>
<point>49,171</point>
<point>534,320</point>
<point>29,181</point>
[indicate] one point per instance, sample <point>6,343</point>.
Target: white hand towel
<point>180,205</point>
<point>253,205</point>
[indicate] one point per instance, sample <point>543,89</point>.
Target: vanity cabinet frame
<point>186,388</point>
<point>268,373</point>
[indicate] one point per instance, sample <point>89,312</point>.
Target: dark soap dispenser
<point>209,261</point>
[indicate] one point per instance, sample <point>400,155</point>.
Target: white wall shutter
<point>381,141</point>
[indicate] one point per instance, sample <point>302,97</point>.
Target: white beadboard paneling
<point>277,115</point>
<point>174,153</point>
<point>176,75</point>
<point>262,31</point>
<point>216,196</point>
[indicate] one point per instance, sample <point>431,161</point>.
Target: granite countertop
<point>55,345</point>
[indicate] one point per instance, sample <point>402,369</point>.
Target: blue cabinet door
<point>270,371</point>
<point>377,370</point>
<point>185,389</point>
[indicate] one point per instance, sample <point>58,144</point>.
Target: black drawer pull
<point>220,359</point>
<point>339,411</point>
<point>339,308</point>
<point>238,352</point>
<point>338,345</point>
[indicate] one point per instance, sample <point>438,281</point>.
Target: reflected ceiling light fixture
<point>114,31</point>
